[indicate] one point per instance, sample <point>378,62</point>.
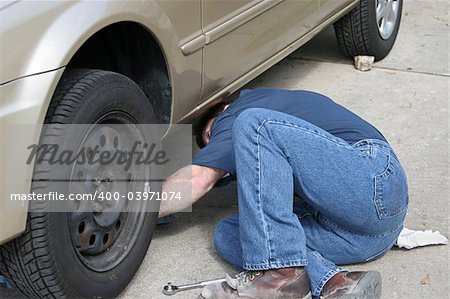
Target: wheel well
<point>129,49</point>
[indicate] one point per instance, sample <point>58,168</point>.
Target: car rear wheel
<point>370,28</point>
<point>86,253</point>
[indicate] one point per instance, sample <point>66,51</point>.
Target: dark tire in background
<point>77,255</point>
<point>370,28</point>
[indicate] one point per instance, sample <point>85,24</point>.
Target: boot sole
<point>369,287</point>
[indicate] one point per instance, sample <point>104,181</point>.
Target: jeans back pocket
<point>391,190</point>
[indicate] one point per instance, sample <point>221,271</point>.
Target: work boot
<point>353,285</point>
<point>287,283</point>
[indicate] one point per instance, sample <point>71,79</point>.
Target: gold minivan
<point>149,61</point>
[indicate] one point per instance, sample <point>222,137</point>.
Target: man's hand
<point>192,182</point>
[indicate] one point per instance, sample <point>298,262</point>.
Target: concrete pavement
<point>406,96</point>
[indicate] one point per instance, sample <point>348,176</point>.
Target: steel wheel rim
<point>387,13</point>
<point>102,240</point>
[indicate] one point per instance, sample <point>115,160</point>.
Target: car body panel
<point>21,104</point>
<point>328,8</point>
<point>61,27</point>
<point>266,64</point>
<point>259,36</point>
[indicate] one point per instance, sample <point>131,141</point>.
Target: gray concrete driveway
<point>406,96</point>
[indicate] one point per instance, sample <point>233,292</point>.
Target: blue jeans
<point>353,198</point>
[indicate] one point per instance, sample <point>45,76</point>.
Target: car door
<point>240,34</point>
<point>327,8</point>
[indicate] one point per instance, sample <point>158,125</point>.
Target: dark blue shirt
<point>312,107</point>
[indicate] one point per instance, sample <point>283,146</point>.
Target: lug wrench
<point>171,289</point>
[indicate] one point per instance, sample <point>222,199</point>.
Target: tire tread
<point>352,31</point>
<point>357,32</point>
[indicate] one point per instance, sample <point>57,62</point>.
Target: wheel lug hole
<point>92,239</point>
<point>81,227</point>
<point>105,238</point>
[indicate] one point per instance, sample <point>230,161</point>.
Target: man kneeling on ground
<point>352,189</point>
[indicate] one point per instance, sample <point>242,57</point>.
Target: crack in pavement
<point>375,67</point>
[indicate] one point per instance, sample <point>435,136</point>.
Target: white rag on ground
<point>414,238</point>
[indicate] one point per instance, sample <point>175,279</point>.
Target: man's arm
<point>192,182</point>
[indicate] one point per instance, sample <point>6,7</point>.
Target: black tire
<point>358,34</point>
<point>44,262</point>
